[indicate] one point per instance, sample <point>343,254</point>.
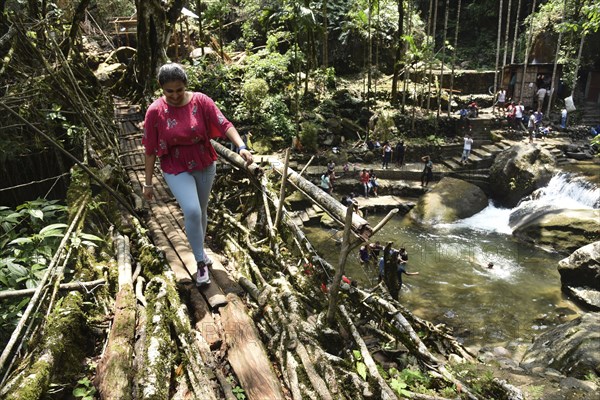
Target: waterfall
<point>563,191</point>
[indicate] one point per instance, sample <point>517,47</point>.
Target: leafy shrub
<point>255,90</point>
<point>309,133</point>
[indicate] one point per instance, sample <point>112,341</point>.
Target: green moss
<point>64,338</point>
<point>33,389</point>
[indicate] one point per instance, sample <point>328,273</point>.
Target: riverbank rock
<point>518,171</point>
<point>571,348</point>
<point>451,199</point>
<point>580,275</point>
<point>562,230</point>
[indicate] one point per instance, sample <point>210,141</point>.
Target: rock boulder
<point>518,171</point>
<point>571,348</point>
<point>451,199</point>
<point>580,275</point>
<point>562,230</point>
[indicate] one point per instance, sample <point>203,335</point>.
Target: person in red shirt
<point>364,181</point>
<point>177,129</point>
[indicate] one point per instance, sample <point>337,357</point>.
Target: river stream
<point>516,299</point>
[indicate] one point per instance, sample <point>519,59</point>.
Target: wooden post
<point>335,286</point>
<point>282,191</point>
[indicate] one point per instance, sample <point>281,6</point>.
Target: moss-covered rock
<point>451,199</point>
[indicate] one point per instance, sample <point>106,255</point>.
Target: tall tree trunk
<point>507,29</point>
<point>514,45</point>
<point>199,10</point>
<point>78,16</point>
<point>431,58</point>
<point>398,64</point>
<point>498,42</point>
<point>439,96</point>
<point>325,62</point>
<point>577,62</point>
<point>454,53</point>
<point>555,67</point>
<point>155,23</point>
<point>529,40</point>
<point>369,52</point>
<point>406,75</point>
<point>377,40</point>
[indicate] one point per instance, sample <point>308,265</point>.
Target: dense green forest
<point>287,71</point>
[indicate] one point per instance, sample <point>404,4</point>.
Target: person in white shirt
<point>466,149</point>
<point>541,95</point>
<point>519,115</point>
<point>501,99</point>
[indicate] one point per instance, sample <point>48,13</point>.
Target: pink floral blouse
<point>180,136</point>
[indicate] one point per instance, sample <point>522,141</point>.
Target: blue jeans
<point>191,190</point>
<point>563,122</point>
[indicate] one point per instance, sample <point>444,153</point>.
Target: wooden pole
<point>306,166</point>
<point>325,201</point>
<point>335,285</point>
<point>283,184</point>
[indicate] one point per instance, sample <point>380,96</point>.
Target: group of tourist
<point>387,151</point>
<point>370,254</point>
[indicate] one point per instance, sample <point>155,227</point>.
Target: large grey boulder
<point>518,171</point>
<point>571,348</point>
<point>451,199</point>
<point>562,230</point>
<point>580,275</point>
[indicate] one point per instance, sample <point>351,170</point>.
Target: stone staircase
<point>591,114</point>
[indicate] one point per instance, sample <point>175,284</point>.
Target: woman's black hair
<point>171,72</point>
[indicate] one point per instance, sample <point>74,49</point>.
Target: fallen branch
<point>79,286</point>
<point>386,390</point>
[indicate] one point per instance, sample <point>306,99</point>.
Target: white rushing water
<point>563,191</point>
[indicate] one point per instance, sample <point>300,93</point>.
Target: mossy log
<point>156,374</point>
<point>65,333</point>
<point>114,375</point>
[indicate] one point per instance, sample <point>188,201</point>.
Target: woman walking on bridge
<point>177,129</point>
